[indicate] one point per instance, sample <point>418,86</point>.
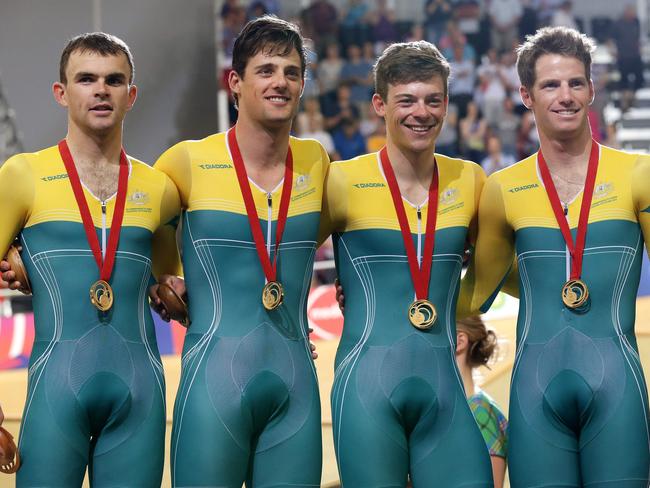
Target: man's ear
<point>379,105</point>
<point>526,97</point>
<point>59,92</point>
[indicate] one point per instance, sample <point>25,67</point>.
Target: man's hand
<point>177,284</point>
<point>312,346</point>
<point>340,297</point>
<point>8,276</point>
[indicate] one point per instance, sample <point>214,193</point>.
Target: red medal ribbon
<point>576,250</point>
<point>270,269</point>
<point>419,274</point>
<point>105,265</point>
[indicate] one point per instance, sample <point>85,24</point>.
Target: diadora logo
<point>517,189</point>
<point>302,182</point>
<point>62,176</point>
<point>601,190</point>
<point>139,198</point>
<point>215,166</point>
<point>448,196</point>
<point>368,185</point>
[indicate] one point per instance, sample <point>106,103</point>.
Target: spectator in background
<point>496,159</point>
<point>475,347</point>
<point>436,15</point>
<point>271,7</point>
<point>376,140</point>
<point>228,5</point>
<point>462,80</point>
<point>511,80</point>
<point>504,20</point>
<point>373,129</point>
<point>492,91</point>
<point>627,36</point>
<point>310,125</point>
<point>354,24</point>
<point>383,20</point>
<point>417,33</point>
<point>473,130</point>
<point>311,88</point>
<point>321,21</point>
<point>546,9</point>
<point>348,141</point>
<point>447,142</point>
<point>563,16</point>
<point>255,10</point>
<point>339,106</point>
<point>528,21</point>
<point>234,20</point>
<point>527,139</point>
<point>508,127</point>
<point>454,38</point>
<point>329,69</point>
<point>369,53</point>
<point>370,121</point>
<point>357,73</point>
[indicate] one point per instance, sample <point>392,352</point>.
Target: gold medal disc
<point>422,314</point>
<point>575,293</point>
<point>272,295</point>
<point>101,295</point>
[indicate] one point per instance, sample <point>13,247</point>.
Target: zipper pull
<point>104,207</point>
<point>269,199</point>
<point>566,210</point>
<point>419,210</point>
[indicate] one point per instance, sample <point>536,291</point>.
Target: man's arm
<point>334,203</point>
<point>493,256</point>
<point>165,256</point>
<point>175,163</point>
<point>641,196</point>
<point>16,197</point>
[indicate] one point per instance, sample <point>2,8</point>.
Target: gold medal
<point>101,295</point>
<point>422,314</point>
<point>575,294</point>
<point>272,295</point>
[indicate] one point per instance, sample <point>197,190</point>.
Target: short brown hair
<point>552,40</point>
<point>95,42</point>
<point>270,35</point>
<point>406,62</point>
<point>482,343</point>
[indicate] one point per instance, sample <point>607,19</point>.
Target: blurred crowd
<point>486,122</point>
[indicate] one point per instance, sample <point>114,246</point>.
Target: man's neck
<point>262,147</point>
<point>96,158</point>
<point>413,171</point>
<point>570,154</point>
<point>93,148</point>
<point>567,161</point>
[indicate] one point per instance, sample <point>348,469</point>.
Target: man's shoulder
<point>37,160</point>
<point>184,152</point>
<point>357,163</point>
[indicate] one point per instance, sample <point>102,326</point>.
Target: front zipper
<point>419,212</point>
<point>103,229</point>
<point>269,201</point>
<point>568,254</point>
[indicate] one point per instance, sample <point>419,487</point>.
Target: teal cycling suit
<point>398,403</point>
<point>248,406</point>
<point>95,383</point>
<point>579,403</point>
